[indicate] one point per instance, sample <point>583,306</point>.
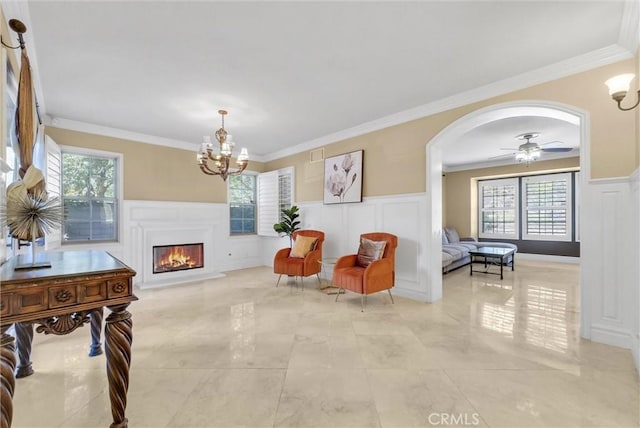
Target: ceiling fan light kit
<point>619,87</point>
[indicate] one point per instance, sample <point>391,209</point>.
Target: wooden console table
<point>60,299</point>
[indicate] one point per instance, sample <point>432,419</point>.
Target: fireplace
<point>171,258</point>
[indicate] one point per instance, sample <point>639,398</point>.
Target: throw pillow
<point>301,246</point>
<point>369,251</point>
<point>452,235</point>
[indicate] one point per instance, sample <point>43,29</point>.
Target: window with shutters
<point>90,195</point>
<point>547,207</point>
<point>275,192</point>
<point>242,204</point>
<point>498,208</point>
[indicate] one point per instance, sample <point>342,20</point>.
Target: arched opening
<point>434,149</point>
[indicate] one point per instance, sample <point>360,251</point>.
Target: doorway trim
<point>433,229</point>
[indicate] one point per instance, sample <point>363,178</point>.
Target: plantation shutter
<point>285,190</point>
<point>268,203</point>
<point>53,180</point>
<point>547,207</point>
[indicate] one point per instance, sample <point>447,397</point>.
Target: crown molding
<point>629,36</point>
<point>106,131</point>
<point>588,61</point>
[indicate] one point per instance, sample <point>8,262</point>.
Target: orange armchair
<point>379,275</point>
<point>283,264</point>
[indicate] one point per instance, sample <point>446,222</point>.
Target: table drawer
<point>118,287</point>
<point>5,304</point>
<point>28,301</point>
<point>62,296</point>
<point>92,292</point>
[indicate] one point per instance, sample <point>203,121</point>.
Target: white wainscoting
<point>610,258</point>
<point>149,223</point>
<point>343,224</point>
<point>635,263</point>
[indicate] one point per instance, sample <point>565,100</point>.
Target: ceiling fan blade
<point>502,156</point>
<point>551,142</point>
<point>557,149</point>
<point>508,148</point>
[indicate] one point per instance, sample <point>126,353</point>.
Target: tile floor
<point>239,352</point>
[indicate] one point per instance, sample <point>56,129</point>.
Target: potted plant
<point>289,223</point>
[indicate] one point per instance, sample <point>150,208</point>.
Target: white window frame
<point>567,206</point>
<point>119,188</point>
<point>270,199</point>
<point>239,234</point>
<point>576,199</point>
<point>492,183</point>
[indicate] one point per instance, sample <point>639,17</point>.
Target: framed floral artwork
<point>343,178</point>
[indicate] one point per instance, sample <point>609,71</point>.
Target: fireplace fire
<point>171,258</point>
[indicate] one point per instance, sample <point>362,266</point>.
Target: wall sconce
<point>618,88</point>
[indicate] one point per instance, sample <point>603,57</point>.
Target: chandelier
<point>218,164</point>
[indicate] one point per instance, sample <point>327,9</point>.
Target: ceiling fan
<point>529,152</point>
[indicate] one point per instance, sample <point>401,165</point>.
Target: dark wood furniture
<point>493,255</point>
<point>60,299</point>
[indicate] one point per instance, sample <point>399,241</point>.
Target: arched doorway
<point>433,228</point>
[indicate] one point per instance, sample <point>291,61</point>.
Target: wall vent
<point>316,155</point>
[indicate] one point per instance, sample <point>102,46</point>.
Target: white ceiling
<point>291,74</point>
<point>481,146</point>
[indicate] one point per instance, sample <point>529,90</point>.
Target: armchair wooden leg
<point>338,295</point>
<point>319,281</point>
<point>278,283</point>
<point>363,301</point>
<point>391,295</point>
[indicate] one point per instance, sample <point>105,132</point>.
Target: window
<point>546,207</point>
<point>242,204</point>
<point>498,205</point>
<point>90,195</point>
<point>275,192</point>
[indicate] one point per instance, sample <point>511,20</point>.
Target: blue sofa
<point>455,250</point>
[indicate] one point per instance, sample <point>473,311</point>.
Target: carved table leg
<point>7,382</point>
<point>118,338</point>
<point>24,339</point>
<point>96,329</point>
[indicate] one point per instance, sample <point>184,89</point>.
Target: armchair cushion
<point>369,251</point>
<point>302,246</point>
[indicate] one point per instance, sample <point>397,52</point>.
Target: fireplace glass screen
<point>171,258</point>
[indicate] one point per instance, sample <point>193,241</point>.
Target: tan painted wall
<point>460,198</point>
<point>154,173</point>
<point>394,158</point>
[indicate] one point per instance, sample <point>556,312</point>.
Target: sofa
<point>455,250</point>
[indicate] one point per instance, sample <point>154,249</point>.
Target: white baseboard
<point>547,258</point>
<point>635,351</point>
<point>409,294</point>
<point>610,335</point>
